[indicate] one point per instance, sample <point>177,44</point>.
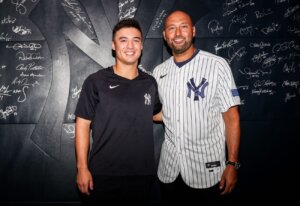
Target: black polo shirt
<point>121,112</point>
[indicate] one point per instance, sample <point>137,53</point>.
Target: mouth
<point>129,53</point>
<point>178,40</point>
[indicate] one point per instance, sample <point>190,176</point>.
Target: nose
<point>130,44</point>
<point>178,31</point>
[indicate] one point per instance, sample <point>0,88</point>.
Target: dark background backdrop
<point>48,47</point>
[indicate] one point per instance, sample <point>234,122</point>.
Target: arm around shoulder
<point>158,117</point>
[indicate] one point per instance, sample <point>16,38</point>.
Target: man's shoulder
<point>211,56</point>
<point>100,73</point>
<point>163,66</point>
<point>146,75</point>
<point>144,72</point>
<point>94,78</point>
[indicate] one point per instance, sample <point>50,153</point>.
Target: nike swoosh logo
<point>114,86</point>
<point>162,76</point>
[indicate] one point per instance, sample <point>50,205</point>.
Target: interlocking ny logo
<point>198,90</point>
<point>147,99</point>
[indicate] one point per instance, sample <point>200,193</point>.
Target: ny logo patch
<point>198,90</point>
<point>147,99</point>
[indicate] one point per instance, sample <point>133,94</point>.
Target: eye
<point>171,28</point>
<point>122,40</point>
<point>137,40</point>
<point>184,26</point>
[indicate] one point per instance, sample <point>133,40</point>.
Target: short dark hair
<point>173,11</point>
<point>126,23</point>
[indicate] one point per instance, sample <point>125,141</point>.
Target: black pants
<point>178,193</point>
<point>125,190</point>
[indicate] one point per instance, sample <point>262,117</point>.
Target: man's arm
<point>82,143</point>
<point>232,130</point>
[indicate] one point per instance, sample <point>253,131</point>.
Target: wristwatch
<point>236,165</point>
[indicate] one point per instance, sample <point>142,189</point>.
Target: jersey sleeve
<point>157,103</point>
<point>88,100</point>
<point>228,94</point>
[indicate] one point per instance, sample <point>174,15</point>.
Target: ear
<point>164,34</point>
<point>113,45</point>
<point>194,31</point>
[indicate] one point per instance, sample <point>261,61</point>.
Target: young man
<point>199,99</point>
<point>117,103</point>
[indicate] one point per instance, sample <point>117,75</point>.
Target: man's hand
<point>84,181</point>
<point>228,180</point>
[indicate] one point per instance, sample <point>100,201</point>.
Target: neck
<point>126,71</point>
<point>185,55</point>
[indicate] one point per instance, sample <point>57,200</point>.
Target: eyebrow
<point>124,37</point>
<point>182,23</point>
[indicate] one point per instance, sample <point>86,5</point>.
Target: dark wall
<point>48,47</point>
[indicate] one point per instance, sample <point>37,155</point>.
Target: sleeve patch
<point>235,92</point>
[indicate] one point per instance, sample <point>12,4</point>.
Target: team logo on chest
<point>147,99</point>
<point>197,90</point>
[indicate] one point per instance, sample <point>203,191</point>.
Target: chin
<point>179,51</point>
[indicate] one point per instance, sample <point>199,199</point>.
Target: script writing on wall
<point>25,67</point>
<point>261,44</point>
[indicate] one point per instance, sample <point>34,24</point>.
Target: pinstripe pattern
<point>194,130</point>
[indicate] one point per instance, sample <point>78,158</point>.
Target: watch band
<point>236,165</point>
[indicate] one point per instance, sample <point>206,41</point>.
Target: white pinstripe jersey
<point>193,97</point>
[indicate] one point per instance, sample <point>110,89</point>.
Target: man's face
<point>127,44</point>
<point>179,32</point>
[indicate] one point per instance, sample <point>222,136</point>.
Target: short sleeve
<point>228,94</point>
<point>88,100</point>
